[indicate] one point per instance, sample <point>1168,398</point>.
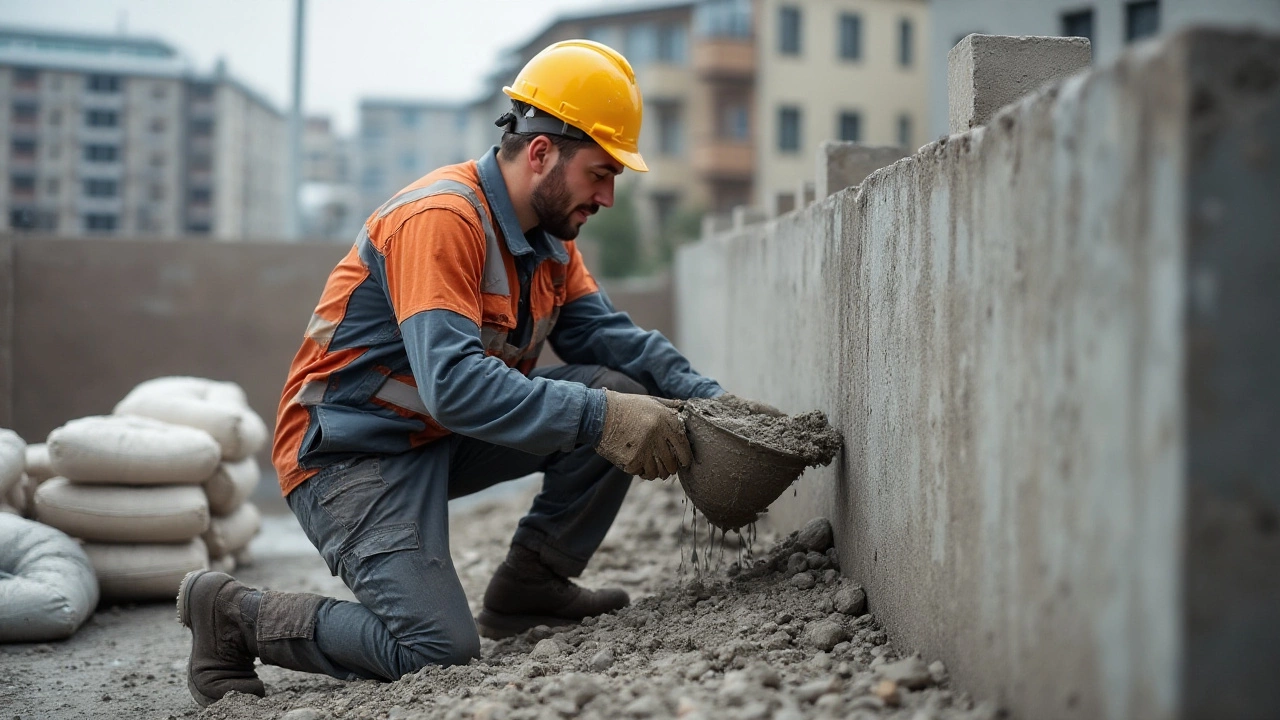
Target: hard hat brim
<point>630,159</point>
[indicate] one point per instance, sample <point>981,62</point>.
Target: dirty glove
<point>754,406</point>
<point>643,435</point>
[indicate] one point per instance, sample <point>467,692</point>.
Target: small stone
<point>816,560</point>
<point>824,634</point>
<point>938,672</point>
<point>540,632</point>
<point>830,576</point>
<point>825,605</point>
<point>815,535</point>
<point>783,618</point>
<point>602,660</point>
<point>910,673</point>
<point>307,713</point>
<point>887,691</point>
<point>779,640</point>
<point>697,669</point>
<point>811,691</point>
<point>796,563</point>
<point>546,649</point>
<point>850,600</point>
<point>803,580</point>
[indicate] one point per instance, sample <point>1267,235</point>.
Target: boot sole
<point>496,627</point>
<point>184,617</point>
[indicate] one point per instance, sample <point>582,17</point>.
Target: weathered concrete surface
<point>846,164</point>
<point>1059,470</point>
<point>987,72</point>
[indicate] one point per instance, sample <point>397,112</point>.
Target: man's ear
<point>542,154</point>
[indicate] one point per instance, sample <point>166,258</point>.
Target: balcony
<point>724,160</point>
<point>717,58</point>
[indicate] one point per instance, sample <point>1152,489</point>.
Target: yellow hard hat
<point>591,87</point>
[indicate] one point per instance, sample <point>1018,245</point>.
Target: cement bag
<point>238,429</point>
<point>123,514</point>
<point>21,495</point>
<point>13,458</point>
<point>132,451</point>
<point>225,564</point>
<point>231,484</point>
<point>194,387</point>
<point>38,463</point>
<point>144,571</point>
<point>228,534</point>
<point>47,587</point>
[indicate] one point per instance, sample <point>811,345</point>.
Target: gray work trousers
<point>382,524</point>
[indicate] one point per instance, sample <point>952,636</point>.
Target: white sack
<point>120,513</point>
<point>145,571</point>
<point>205,404</point>
<point>132,451</point>
<point>22,494</point>
<point>228,534</point>
<point>231,484</point>
<point>38,463</point>
<point>47,587</point>
<point>13,457</point>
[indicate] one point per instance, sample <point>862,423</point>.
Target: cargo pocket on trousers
<point>348,492</point>
<point>370,548</point>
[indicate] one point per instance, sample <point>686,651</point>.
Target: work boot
<point>221,614</point>
<point>524,593</point>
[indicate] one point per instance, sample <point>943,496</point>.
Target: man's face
<point>574,190</point>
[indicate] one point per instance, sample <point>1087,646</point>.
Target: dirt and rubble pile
<point>782,635</point>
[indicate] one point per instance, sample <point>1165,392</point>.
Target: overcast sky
<point>436,49</point>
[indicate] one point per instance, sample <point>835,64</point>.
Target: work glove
<point>643,435</point>
<point>754,406</point>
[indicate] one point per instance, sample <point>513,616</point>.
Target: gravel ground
<point>728,635</point>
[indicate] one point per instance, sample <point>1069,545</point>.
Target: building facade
<point>402,140</point>
<point>834,70</point>
<point>1110,25</point>
<point>105,135</point>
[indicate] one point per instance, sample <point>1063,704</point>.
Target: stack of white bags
<point>156,489</point>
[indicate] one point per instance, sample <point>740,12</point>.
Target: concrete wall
<point>1050,346</point>
<point>83,321</point>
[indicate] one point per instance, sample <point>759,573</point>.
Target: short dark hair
<point>513,143</point>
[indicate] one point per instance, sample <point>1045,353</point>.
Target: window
<point>905,32</point>
<point>100,222</point>
<point>201,196</point>
<point>24,149</point>
<point>157,192</point>
<point>159,92</point>
<point>664,206</point>
<point>673,44</point>
<point>52,187</point>
<point>101,153</point>
<point>789,30</point>
<point>102,118</point>
<point>371,179</point>
<point>670,129</point>
<point>25,112</point>
<point>201,91</point>
<point>22,184</point>
<point>197,163</point>
<point>642,44</point>
<point>1078,24</point>
<point>722,18</point>
<point>22,219</point>
<point>101,188</point>
<point>850,37</point>
<point>202,127</point>
<point>103,83</point>
<point>735,121</point>
<point>26,78</point>
<point>409,118</point>
<point>789,129</point>
<point>904,131</point>
<point>199,227</point>
<point>158,126</point>
<point>1141,19</point>
<point>606,34</point>
<point>849,126</point>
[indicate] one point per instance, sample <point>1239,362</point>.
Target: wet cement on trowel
<point>807,435</point>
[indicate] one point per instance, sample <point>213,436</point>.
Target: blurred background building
<point>1110,25</point>
<point>107,135</point>
<point>330,203</point>
<point>402,140</point>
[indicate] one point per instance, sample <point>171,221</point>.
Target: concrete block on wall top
<point>744,215</point>
<point>988,72</point>
<point>714,223</point>
<point>845,164</point>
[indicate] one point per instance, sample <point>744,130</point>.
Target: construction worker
<point>416,383</point>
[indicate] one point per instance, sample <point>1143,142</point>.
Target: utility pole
<point>293,221</point>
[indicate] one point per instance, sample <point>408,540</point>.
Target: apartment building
<point>834,70</point>
<point>106,135</point>
<point>1110,25</point>
<point>402,140</point>
<point>330,202</point>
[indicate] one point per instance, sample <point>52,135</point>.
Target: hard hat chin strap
<point>524,119</point>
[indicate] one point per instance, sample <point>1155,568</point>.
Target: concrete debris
<point>850,600</point>
<point>911,673</point>
<point>824,634</point>
<point>815,535</point>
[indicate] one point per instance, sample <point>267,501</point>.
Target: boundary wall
<point>1051,346</point>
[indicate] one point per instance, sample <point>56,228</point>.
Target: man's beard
<point>554,207</point>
